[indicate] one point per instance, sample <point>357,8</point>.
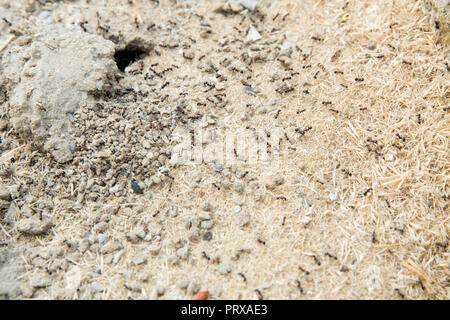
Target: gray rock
<point>207,236</point>
<point>242,218</point>
<point>102,238</point>
<point>207,224</point>
<point>34,226</point>
<point>84,245</point>
<point>204,216</point>
<point>101,227</point>
<point>12,214</point>
<point>117,256</point>
<point>224,267</point>
<point>193,287</point>
<point>274,181</point>
<point>110,247</point>
<point>28,291</point>
<point>183,253</point>
<point>140,259</point>
<point>154,249</point>
<point>136,235</point>
<point>117,188</point>
<point>194,235</point>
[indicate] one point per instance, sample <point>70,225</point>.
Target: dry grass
<point>381,146</point>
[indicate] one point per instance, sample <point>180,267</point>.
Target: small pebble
<point>204,216</point>
<point>183,253</point>
<point>193,287</point>
<point>231,6</point>
<point>188,223</point>
<point>173,211</point>
<point>34,226</point>
<point>116,189</point>
<point>177,242</point>
<point>101,227</point>
<point>249,4</point>
<point>41,281</point>
<point>333,196</point>
<point>208,207</point>
<point>242,218</point>
<point>194,235</point>
<point>136,235</point>
<point>117,256</point>
<point>136,188</point>
<point>102,238</point>
<point>174,260</point>
<point>189,54</point>
<point>274,181</point>
<point>249,90</point>
<point>305,220</point>
<point>28,291</point>
<point>224,268</point>
<point>371,45</point>
<point>154,249</point>
<point>207,224</point>
<point>183,284</point>
<point>160,290</point>
<point>140,259</point>
<point>253,34</point>
<point>84,245</point>
<point>110,247</point>
<point>207,236</point>
<point>4,193</point>
<point>134,286</point>
<point>239,187</point>
<point>286,49</point>
<point>215,292</point>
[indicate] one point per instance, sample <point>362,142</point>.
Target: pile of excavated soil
<point>96,95</point>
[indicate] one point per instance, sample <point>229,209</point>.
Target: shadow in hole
<point>127,56</point>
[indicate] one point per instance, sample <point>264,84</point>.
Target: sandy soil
<point>96,96</point>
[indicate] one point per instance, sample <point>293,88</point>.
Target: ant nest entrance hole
<point>133,51</point>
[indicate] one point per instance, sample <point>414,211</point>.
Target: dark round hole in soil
<point>128,55</point>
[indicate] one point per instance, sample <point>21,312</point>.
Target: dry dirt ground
<point>95,95</point>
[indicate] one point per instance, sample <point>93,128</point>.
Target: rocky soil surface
<point>95,96</point>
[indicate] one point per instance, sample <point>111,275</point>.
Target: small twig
<point>7,156</point>
<point>7,42</point>
<point>137,12</point>
<point>1,226</point>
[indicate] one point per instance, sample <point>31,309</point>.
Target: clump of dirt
<point>50,76</point>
